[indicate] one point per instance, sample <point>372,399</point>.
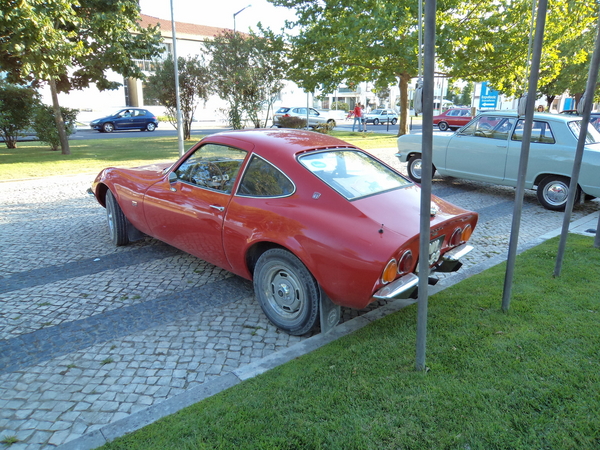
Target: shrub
<point>340,106</point>
<point>291,122</point>
<point>324,128</point>
<point>16,107</point>
<point>45,125</point>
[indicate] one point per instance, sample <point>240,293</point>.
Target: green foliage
<point>466,95</point>
<point>17,104</point>
<point>291,122</point>
<point>195,85</point>
<point>340,106</point>
<point>247,71</point>
<point>45,126</point>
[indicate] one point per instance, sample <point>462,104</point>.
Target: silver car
<point>488,149</point>
<point>314,117</point>
<point>378,116</point>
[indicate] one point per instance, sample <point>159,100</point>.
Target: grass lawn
<point>527,379</point>
<point>34,160</point>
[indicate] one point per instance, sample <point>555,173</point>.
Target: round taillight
<point>467,232</point>
<point>390,271</point>
<point>456,237</point>
<point>406,262</point>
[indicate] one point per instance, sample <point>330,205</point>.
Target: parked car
<point>378,116</point>
<point>126,119</point>
<point>453,118</point>
<point>311,219</point>
<point>489,147</point>
<point>314,117</point>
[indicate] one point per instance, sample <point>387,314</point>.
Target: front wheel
<point>415,168</point>
<point>553,192</point>
<point>108,127</point>
<point>286,291</point>
<point>117,223</point>
<point>375,121</point>
<point>443,126</point>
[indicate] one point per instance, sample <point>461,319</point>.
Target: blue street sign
<point>488,97</point>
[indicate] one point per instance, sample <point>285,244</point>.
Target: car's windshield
<point>376,111</point>
<point>592,136</point>
<point>352,173</point>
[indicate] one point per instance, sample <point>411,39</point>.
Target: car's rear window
<point>352,173</point>
<point>592,136</point>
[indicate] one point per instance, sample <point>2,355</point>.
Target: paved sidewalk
<point>96,341</point>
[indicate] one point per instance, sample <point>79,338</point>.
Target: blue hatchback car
<point>126,119</point>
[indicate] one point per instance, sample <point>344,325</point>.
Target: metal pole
<point>177,102</point>
<point>427,164</point>
<point>585,120</point>
<point>518,208</point>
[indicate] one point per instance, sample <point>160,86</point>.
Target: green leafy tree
<point>248,71</point>
<point>195,85</point>
<point>72,44</point>
<point>347,41</point>
<point>466,95</point>
<point>17,104</point>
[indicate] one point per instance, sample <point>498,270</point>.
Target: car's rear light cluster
<point>460,235</point>
<point>394,268</point>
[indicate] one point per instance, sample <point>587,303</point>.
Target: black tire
<point>150,126</point>
<point>375,121</point>
<point>553,192</point>
<point>108,127</point>
<point>443,126</point>
<point>394,121</point>
<point>117,223</point>
<point>414,168</point>
<point>332,123</point>
<point>286,291</point>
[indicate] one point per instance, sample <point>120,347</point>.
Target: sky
<point>219,13</point>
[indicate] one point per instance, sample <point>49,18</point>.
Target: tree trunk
<point>58,118</point>
<point>403,85</point>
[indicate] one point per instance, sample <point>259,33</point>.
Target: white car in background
<point>314,117</point>
<point>378,116</point>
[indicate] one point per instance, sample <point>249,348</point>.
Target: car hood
<point>399,210</point>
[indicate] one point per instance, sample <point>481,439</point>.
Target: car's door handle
<point>218,208</point>
<point>501,146</point>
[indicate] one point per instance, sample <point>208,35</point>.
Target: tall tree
<point>71,44</point>
<point>194,86</point>
<point>248,71</point>
<point>335,41</point>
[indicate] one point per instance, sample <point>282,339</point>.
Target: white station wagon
<point>488,149</point>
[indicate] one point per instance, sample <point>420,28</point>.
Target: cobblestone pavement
<point>91,334</point>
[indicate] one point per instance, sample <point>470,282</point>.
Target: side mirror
<point>172,177</point>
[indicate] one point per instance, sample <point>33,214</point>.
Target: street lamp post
<point>235,14</point>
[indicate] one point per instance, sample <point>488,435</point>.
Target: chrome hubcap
<point>556,193</point>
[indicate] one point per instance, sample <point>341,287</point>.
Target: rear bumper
<point>403,287</point>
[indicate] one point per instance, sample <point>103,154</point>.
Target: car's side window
<point>482,127</point>
<point>502,129</point>
<point>212,166</point>
<point>262,179</point>
<point>454,112</point>
<point>540,132</point>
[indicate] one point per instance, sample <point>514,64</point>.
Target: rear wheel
<point>415,169</point>
<point>150,126</point>
<point>443,126</point>
<point>553,192</point>
<point>332,123</point>
<point>394,121</point>
<point>286,291</point>
<point>117,223</point>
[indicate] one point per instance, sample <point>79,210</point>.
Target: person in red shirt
<point>357,117</point>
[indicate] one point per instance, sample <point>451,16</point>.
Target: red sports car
<point>314,221</point>
<point>453,118</point>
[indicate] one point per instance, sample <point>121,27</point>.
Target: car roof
<point>538,115</point>
<point>276,142</point>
